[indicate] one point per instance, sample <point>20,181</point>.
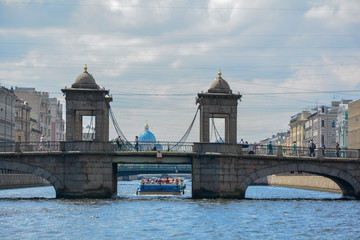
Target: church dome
<point>85,80</point>
<point>219,85</point>
<point>147,136</point>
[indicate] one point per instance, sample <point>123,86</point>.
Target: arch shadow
<point>30,169</point>
<point>350,187</point>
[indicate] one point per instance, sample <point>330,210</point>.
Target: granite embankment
<point>8,181</point>
<point>301,181</point>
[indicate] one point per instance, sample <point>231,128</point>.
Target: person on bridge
<point>323,149</point>
<point>41,144</point>
<point>294,150</point>
<point>118,143</point>
<point>312,147</point>
<point>338,149</point>
<point>270,149</point>
<point>137,143</point>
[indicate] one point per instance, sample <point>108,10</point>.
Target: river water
<point>267,213</point>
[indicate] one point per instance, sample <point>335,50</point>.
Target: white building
<point>57,124</point>
<point>7,115</point>
<point>44,110</point>
<point>342,124</point>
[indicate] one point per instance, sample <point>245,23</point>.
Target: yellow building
<point>297,128</point>
<point>22,121</point>
<point>354,125</point>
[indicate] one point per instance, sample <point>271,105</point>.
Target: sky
<point>156,55</point>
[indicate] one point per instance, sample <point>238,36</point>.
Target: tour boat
<point>161,186</point>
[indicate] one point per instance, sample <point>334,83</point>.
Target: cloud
<point>149,53</point>
<point>335,13</point>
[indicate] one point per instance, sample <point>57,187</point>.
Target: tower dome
<point>219,85</point>
<point>85,80</point>
<point>147,136</point>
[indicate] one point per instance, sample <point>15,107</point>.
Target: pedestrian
<point>312,147</point>
<point>323,149</point>
<point>270,150</point>
<point>136,143</point>
<point>118,143</point>
<point>294,150</point>
<point>338,149</point>
<point>41,144</point>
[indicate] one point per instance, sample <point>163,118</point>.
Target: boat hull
<point>160,189</point>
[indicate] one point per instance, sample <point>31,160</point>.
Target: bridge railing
<point>156,146</point>
<point>299,151</point>
<point>91,146</point>
<point>134,167</point>
<point>48,146</point>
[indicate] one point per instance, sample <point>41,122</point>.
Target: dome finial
<point>146,126</point>
<point>219,73</point>
<point>85,68</point>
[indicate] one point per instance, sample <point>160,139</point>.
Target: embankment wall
<point>8,181</point>
<point>304,182</point>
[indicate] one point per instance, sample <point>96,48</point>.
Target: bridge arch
<point>349,185</point>
<point>31,169</point>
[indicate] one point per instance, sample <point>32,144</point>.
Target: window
<point>333,124</point>
<point>322,123</point>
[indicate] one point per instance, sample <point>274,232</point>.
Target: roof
<point>219,85</point>
<point>85,80</point>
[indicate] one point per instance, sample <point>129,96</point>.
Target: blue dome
<point>147,136</point>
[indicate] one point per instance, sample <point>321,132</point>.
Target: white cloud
<point>169,47</point>
<point>335,13</point>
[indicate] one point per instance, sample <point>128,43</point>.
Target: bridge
<point>125,170</point>
<point>88,169</point>
<point>92,170</point>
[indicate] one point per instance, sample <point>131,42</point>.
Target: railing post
<point>62,146</point>
<point>279,151</point>
<point>319,153</point>
<point>17,147</point>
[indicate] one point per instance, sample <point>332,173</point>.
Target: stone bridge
<point>84,174</point>
<point>89,169</point>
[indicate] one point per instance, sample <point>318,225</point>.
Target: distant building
<point>35,132</point>
<point>57,123</point>
<point>7,115</point>
<point>47,112</point>
<point>22,121</point>
<point>342,124</point>
<point>324,125</point>
<point>277,140</point>
<point>354,125</point>
<point>297,128</point>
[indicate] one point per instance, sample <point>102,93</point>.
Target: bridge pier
<point>88,176</point>
<point>216,177</point>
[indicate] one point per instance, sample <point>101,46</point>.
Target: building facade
<point>324,126</point>
<point>354,125</point>
<point>7,115</point>
<point>297,128</point>
<point>46,114</point>
<point>57,124</point>
<point>342,124</point>
<point>22,121</point>
<point>35,132</point>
